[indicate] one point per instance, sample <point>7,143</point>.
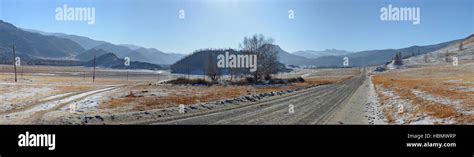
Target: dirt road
<point>309,106</point>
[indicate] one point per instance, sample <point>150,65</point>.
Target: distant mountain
<point>376,57</point>
<point>35,44</point>
<point>110,60</point>
<point>130,46</point>
<point>288,58</point>
<point>141,54</point>
<point>311,54</point>
<point>120,51</point>
<point>152,55</point>
<point>136,53</point>
<point>85,42</point>
<point>89,54</point>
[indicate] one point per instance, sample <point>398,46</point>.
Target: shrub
<point>183,80</point>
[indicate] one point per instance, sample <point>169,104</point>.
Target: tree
<point>426,58</point>
<point>266,56</point>
<point>212,70</point>
<point>398,59</point>
<point>461,45</point>
<point>446,56</point>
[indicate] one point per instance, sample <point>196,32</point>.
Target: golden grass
<point>188,95</point>
<point>435,81</point>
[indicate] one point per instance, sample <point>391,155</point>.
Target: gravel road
<point>310,106</point>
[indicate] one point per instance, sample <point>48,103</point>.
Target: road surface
<point>310,106</point>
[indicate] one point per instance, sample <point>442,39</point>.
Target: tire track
<point>312,106</point>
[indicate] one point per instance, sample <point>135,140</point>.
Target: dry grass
<point>187,95</point>
<point>436,81</point>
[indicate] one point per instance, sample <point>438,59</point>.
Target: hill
<point>35,44</point>
<point>110,60</point>
<point>311,54</point>
<point>199,61</point>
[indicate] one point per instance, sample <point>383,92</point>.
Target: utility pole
<point>14,62</point>
<point>157,75</point>
<point>127,64</point>
<point>93,74</point>
<point>188,70</point>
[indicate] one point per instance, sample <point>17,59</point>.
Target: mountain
<point>155,56</point>
<point>120,51</point>
<point>110,60</point>
<point>35,44</point>
<point>362,58</point>
<point>136,53</point>
<point>445,54</point>
<point>130,46</point>
<point>89,54</point>
<point>311,54</point>
<point>141,54</point>
<point>85,42</point>
<point>376,57</point>
<point>288,58</point>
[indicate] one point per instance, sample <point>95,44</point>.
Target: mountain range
<point>36,45</point>
<point>136,53</point>
<point>361,58</point>
<point>312,54</point>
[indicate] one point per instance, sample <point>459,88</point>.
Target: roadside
<point>361,108</point>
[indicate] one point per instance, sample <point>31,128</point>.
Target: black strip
<point>351,139</point>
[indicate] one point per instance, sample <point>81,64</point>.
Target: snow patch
<point>375,115</point>
<point>437,99</point>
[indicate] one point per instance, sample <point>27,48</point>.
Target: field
<point>441,94</point>
<point>48,91</point>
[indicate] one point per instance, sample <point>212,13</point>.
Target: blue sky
<point>351,25</point>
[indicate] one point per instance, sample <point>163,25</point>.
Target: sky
<point>352,25</point>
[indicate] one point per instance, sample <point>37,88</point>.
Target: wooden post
<point>14,62</point>
<point>93,74</point>
<point>157,76</point>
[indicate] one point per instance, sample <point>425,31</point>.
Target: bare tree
<point>266,56</point>
<point>212,70</point>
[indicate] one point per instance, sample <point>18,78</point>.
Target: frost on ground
<point>89,103</point>
<point>419,110</point>
<point>17,96</point>
<point>427,95</point>
<point>373,110</point>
